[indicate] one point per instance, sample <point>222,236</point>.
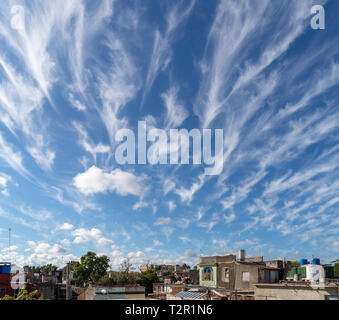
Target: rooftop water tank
<point>316,261</point>
<point>303,262</point>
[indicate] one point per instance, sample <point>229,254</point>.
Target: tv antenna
<point>9,244</point>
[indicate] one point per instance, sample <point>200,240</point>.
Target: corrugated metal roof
<point>190,295</point>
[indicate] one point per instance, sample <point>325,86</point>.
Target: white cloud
<point>186,195</point>
<point>162,53</point>
<point>12,158</point>
<point>87,144</point>
<point>65,227</point>
<point>4,179</point>
<point>171,206</point>
<point>139,205</point>
<point>42,248</point>
<point>245,243</point>
<point>137,258</point>
<point>5,193</point>
<point>163,221</point>
<point>95,180</point>
<point>176,113</point>
<point>11,248</point>
<point>76,104</point>
<point>157,243</point>
<point>94,235</point>
<point>65,242</point>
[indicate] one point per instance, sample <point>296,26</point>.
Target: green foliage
<point>23,295</point>
<point>107,280</point>
<point>147,278</point>
<point>295,264</point>
<point>336,270</point>
<point>48,268</point>
<point>43,269</point>
<point>91,269</point>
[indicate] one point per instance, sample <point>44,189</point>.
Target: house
<point>163,291</point>
<point>237,275</point>
<point>5,280</point>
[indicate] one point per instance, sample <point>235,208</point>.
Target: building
<point>127,292</point>
<point>296,291</point>
<point>164,291</point>
<point>5,280</point>
<point>147,267</point>
<point>238,276</point>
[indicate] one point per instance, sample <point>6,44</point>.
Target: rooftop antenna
<point>9,244</point>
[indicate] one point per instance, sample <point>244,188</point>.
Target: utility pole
<point>9,244</point>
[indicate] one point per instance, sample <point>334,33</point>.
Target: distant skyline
<point>73,73</point>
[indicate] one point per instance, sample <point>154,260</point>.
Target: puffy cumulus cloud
<point>162,221</point>
<point>95,235</point>
<point>39,259</point>
<point>46,248</point>
<point>42,247</point>
<point>95,180</point>
<point>65,227</point>
<point>137,258</point>
<point>117,258</point>
<point>11,248</point>
<point>42,253</point>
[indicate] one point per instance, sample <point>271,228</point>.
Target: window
<point>245,276</point>
<point>207,274</point>
<point>227,274</point>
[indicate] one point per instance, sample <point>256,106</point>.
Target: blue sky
<point>81,70</point>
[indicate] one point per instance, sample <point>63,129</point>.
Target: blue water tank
<point>303,262</point>
<point>316,261</point>
<point>6,269</point>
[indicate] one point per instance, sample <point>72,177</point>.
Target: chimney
<point>241,255</point>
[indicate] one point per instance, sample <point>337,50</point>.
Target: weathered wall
<point>245,285</point>
<point>291,293</point>
<point>222,281</point>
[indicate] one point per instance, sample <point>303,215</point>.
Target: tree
<point>147,278</point>
<point>106,280</point>
<point>336,269</point>
<point>124,276</point>
<point>23,295</point>
<point>48,268</point>
<point>91,268</point>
